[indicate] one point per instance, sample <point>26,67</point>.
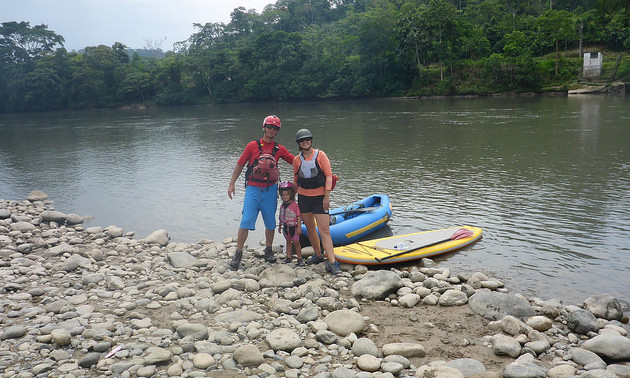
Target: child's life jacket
<point>288,214</point>
<point>264,169</point>
<point>310,174</point>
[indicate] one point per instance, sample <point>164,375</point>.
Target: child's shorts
<point>289,233</point>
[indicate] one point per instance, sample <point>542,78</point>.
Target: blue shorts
<point>263,200</point>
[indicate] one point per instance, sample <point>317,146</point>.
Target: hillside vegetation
<point>302,50</point>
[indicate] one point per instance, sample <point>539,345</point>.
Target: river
<point>547,178</point>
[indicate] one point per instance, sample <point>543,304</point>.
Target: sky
<point>134,23</point>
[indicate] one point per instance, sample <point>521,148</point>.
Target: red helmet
<point>285,185</point>
<point>272,120</point>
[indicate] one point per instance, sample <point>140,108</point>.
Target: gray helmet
<point>303,133</point>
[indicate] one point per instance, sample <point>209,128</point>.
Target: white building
<point>593,64</point>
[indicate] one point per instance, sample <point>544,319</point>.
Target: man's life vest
<point>310,174</point>
<point>264,169</point>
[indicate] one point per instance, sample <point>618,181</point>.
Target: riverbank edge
<point>618,88</point>
<point>75,268</point>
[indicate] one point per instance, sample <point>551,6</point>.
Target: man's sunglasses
<point>304,140</point>
<point>272,127</point>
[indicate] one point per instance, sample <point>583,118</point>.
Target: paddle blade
<point>462,233</point>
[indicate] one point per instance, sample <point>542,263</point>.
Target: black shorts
<point>310,204</point>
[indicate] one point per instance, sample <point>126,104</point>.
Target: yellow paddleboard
<point>406,247</point>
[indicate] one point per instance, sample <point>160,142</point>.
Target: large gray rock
<point>37,195</point>
<point>377,284</point>
<point>438,371</point>
<point>158,237</point>
<point>364,346</point>
<point>604,306</point>
<point>582,322</point>
<point>4,214</point>
<point>242,316</point>
<point>248,355</point>
<point>59,250</point>
<point>23,226</point>
<point>523,370</point>
<point>453,298</point>
<point>611,346</point>
<point>195,331</point>
<point>494,306</point>
<point>280,275</point>
<point>585,357</point>
<point>506,346</point>
<point>345,322</point>
<point>182,260</point>
<point>467,366</point>
<point>157,355</point>
<point>72,219</point>
<point>513,326</point>
<point>13,332</point>
<point>75,262</point>
<point>367,362</point>
<point>404,349</point>
<point>283,339</point>
<point>53,216</point>
<point>113,231</point>
<point>308,314</point>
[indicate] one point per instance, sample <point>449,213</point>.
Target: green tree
<point>170,81</point>
<point>473,43</point>
<point>271,64</point>
<point>20,42</point>
<point>618,30</point>
<point>441,18</point>
<point>413,33</point>
<point>520,64</point>
<point>94,81</point>
<point>134,85</point>
<point>559,26</point>
<point>47,86</point>
<point>490,17</point>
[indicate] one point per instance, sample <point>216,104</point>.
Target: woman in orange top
<point>312,176</point>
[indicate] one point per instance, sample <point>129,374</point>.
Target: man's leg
<point>248,221</point>
<point>268,207</point>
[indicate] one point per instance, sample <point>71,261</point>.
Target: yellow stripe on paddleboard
<point>368,227</point>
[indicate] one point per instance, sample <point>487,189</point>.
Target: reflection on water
<point>547,178</point>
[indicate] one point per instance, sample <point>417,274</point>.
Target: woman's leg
<point>324,233</point>
<point>309,221</point>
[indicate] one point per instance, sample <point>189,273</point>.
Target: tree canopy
<point>297,50</point>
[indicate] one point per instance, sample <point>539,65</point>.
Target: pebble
<point>80,301</point>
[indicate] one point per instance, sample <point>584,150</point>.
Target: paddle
<point>462,233</point>
<point>357,210</point>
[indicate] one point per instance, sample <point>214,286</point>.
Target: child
<point>290,221</point>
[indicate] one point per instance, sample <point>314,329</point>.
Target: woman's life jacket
<point>310,175</point>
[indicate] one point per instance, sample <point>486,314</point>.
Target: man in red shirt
<point>261,190</point>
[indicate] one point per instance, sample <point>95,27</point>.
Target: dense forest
<point>297,50</point>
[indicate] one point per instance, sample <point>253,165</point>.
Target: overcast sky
<point>132,22</point>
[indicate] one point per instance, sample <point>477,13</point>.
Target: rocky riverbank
<point>91,301</point>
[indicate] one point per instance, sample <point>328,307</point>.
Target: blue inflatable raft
<point>357,220</point>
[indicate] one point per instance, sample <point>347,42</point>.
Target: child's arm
<point>279,224</point>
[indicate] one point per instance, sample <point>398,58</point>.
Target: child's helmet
<point>285,185</point>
